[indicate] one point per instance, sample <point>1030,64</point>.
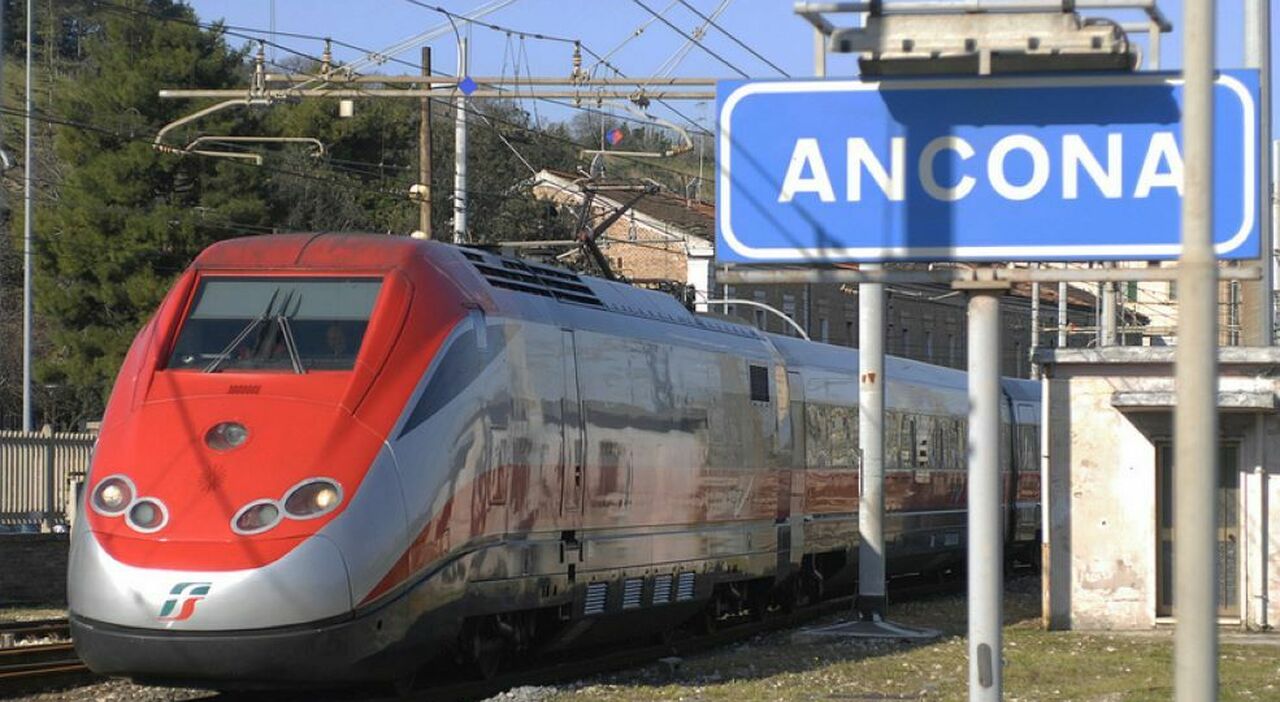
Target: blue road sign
<point>1051,168</point>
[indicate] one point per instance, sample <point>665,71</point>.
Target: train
<point>355,458</point>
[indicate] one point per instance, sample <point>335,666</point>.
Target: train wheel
<point>484,648</point>
<point>404,686</point>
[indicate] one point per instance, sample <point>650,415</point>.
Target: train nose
<point>310,583</point>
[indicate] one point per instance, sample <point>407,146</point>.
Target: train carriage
<point>339,458</point>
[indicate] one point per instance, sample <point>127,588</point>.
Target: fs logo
<point>186,593</point>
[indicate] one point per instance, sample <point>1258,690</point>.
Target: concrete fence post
<point>50,513</point>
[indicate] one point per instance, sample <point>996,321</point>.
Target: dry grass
<point>1039,665</point>
<point>15,613</point>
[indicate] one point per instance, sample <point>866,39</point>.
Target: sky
<point>769,26</point>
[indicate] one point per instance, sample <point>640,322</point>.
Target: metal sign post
<point>1195,430</point>
<point>872,599</point>
<point>986,542</point>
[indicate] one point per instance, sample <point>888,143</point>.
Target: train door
<point>1226,531</point>
<point>1024,517</point>
<point>791,473</point>
<point>572,451</point>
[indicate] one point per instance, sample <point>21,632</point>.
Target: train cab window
<point>759,384</point>
<point>275,324</point>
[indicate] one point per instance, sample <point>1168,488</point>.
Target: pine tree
<point>128,218</point>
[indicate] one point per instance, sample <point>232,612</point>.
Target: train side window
<point>759,384</point>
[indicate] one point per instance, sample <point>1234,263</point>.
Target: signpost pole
<point>1257,54</point>
<point>986,558</point>
<point>872,600</point>
<point>1062,315</point>
<point>1196,378</point>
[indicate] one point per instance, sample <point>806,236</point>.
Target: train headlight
<point>112,496</point>
<point>256,517</point>
<point>147,515</point>
<point>312,498</point>
<point>225,436</point>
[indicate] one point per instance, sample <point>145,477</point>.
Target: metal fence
<point>37,471</point>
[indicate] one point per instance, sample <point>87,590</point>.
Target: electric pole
<point>460,153</point>
<point>28,423</point>
<point>424,151</point>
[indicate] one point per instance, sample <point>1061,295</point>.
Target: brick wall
<point>33,568</point>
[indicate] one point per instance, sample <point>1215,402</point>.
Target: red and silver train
<point>337,458</point>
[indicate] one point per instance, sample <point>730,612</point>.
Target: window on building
<point>1131,291</point>
<point>928,346</point>
<point>728,295</point>
<point>951,350</point>
<point>762,316</point>
<point>906,342</point>
<point>823,335</point>
<point>1173,290</point>
<point>789,309</point>
<point>849,337</point>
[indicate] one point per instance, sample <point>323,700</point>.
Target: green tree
<point>129,218</point>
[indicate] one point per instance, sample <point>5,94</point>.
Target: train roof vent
<point>532,278</point>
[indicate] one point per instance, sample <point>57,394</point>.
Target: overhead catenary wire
<point>686,35</point>
<point>600,60</point>
<point>256,34</point>
<point>396,194</point>
<point>635,33</point>
<point>735,39</point>
<point>669,66</point>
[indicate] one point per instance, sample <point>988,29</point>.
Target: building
<point>1108,486</point>
<point>668,237</point>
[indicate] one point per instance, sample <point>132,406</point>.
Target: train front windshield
<point>275,324</point>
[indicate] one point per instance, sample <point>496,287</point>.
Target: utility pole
<point>1257,54</point>
<point>1062,315</point>
<point>28,245</point>
<point>1195,431</point>
<point>424,151</point>
<point>985,545</point>
<point>1107,323</point>
<point>460,153</point>
<point>1035,329</point>
<point>872,600</point>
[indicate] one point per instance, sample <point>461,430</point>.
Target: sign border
<point>973,253</point>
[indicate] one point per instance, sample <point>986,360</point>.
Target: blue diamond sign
<point>467,86</point>
<point>963,169</point>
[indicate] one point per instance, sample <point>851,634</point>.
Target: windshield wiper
<point>225,353</point>
<point>290,344</point>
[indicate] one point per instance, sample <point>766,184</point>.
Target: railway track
<point>560,669</point>
<point>37,667</point>
<point>27,667</point>
<point>14,633</point>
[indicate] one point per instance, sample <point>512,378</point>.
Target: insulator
<point>576,74</point>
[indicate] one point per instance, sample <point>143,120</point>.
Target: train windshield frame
<point>265,323</point>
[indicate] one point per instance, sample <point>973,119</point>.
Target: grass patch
<point>1039,665</point>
